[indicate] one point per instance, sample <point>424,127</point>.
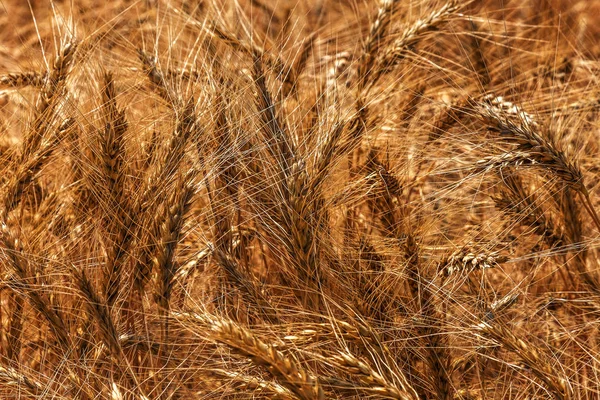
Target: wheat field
<point>321,199</point>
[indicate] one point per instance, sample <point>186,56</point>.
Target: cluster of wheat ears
<point>299,199</point>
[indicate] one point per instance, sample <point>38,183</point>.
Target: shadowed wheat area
<point>341,199</point>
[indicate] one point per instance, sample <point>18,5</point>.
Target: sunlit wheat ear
<point>465,261</point>
<point>42,137</point>
<point>228,252</point>
<point>28,169</point>
<point>293,376</point>
<point>412,35</point>
<point>51,94</point>
<point>518,127</point>
<point>375,382</point>
<point>253,384</point>
<point>29,385</point>
<point>174,214</point>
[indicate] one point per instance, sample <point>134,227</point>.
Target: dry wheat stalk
<point>250,49</point>
<point>411,106</point>
<point>15,328</point>
<point>437,356</point>
<point>373,299</point>
<point>23,282</point>
<point>99,311</point>
<point>171,228</point>
<point>574,235</point>
<point>248,285</point>
<point>225,199</point>
<point>328,149</point>
<point>299,65</point>
<point>386,202</point>
<point>450,115</point>
<point>479,62</point>
<point>279,142</point>
<point>156,77</point>
<point>224,202</point>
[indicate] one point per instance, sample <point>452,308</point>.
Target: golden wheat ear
<point>517,126</point>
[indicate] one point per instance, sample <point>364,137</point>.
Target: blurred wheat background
<point>340,199</point>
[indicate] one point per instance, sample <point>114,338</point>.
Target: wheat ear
<point>100,312</point>
<point>9,377</point>
<point>377,33</point>
<point>377,384</point>
<point>22,79</point>
<point>413,34</point>
<point>171,228</point>
<point>279,365</point>
<point>22,281</point>
<point>515,125</point>
<point>112,161</point>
